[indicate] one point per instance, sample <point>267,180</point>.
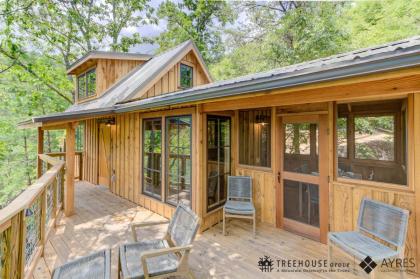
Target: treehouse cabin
<point>315,137</point>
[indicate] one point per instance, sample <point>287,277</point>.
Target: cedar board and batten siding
<point>169,82</point>
<point>108,72</point>
<point>344,196</point>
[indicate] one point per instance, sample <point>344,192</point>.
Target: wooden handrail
<point>14,217</point>
<point>79,161</point>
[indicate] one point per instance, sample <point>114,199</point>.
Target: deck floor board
<point>102,221</point>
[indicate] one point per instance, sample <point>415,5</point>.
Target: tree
<point>198,20</point>
<point>122,14</point>
<point>377,22</point>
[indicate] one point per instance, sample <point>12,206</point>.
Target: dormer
<point>97,71</point>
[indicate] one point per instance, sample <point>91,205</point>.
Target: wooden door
<point>303,175</point>
<point>104,155</point>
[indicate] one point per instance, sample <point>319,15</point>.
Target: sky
<point>150,30</point>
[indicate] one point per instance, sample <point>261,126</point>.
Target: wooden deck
<point>102,221</point>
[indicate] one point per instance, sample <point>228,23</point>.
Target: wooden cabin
<point>316,137</point>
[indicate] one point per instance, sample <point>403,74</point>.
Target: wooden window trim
<point>143,192</point>
<point>166,161</point>
<point>86,98</point>
<point>408,106</point>
<point>192,66</point>
<point>162,115</point>
<point>220,203</point>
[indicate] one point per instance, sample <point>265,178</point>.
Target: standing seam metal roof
<point>395,55</point>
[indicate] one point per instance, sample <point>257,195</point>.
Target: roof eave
<point>247,87</point>
<point>106,55</point>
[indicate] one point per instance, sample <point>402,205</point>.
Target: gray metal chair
<point>376,219</point>
<point>239,201</point>
<point>161,258</point>
<point>94,266</point>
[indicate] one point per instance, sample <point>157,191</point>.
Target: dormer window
<point>186,76</point>
<point>86,84</point>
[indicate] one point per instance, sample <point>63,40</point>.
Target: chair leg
<point>254,225</point>
<point>224,222</point>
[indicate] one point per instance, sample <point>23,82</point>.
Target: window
<point>152,157</point>
<point>255,137</point>
<point>178,159</point>
<point>301,148</point>
<point>80,136</point>
<point>86,84</point>
<point>218,159</point>
<point>371,141</point>
<point>186,76</point>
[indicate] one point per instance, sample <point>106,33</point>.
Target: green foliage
<point>277,34</point>
<point>375,22</point>
<point>198,20</point>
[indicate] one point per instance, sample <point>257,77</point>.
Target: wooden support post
<point>40,150</point>
<point>415,166</point>
<point>70,160</point>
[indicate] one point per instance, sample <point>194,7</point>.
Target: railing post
<point>70,154</point>
<point>22,245</point>
<point>40,150</point>
<point>43,218</point>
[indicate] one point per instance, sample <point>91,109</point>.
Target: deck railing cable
<point>26,222</point>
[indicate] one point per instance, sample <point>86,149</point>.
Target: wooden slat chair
<point>94,266</point>
<point>239,201</point>
<point>376,219</point>
<point>161,258</point>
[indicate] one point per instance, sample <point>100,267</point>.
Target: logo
<point>368,265</point>
<point>266,264</point>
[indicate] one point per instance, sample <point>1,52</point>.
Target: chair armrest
<point>144,225</point>
<point>160,252</point>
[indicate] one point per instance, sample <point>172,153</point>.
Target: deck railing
<point>27,221</point>
<point>78,162</point>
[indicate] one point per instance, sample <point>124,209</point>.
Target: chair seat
<point>239,207</point>
<point>361,246</point>
<point>95,266</point>
<point>130,259</point>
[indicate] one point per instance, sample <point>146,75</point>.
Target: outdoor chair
<point>239,201</point>
<point>94,266</point>
<point>161,258</point>
<point>376,219</point>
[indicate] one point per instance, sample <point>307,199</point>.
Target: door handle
<point>278,177</point>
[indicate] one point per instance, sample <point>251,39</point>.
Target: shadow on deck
<point>102,221</point>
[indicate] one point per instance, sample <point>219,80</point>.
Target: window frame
<point>270,145</point>
<point>85,76</point>
<point>151,195</point>
<point>399,159</point>
<point>219,203</point>
<point>166,159</point>
<point>191,66</point>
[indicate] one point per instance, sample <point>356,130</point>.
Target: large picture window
<point>371,141</point>
<point>152,157</point>
<point>178,159</point>
<point>218,159</point>
<point>255,137</point>
<point>86,84</point>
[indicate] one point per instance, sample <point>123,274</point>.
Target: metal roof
<point>391,56</point>
<point>140,77</point>
<point>98,54</point>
